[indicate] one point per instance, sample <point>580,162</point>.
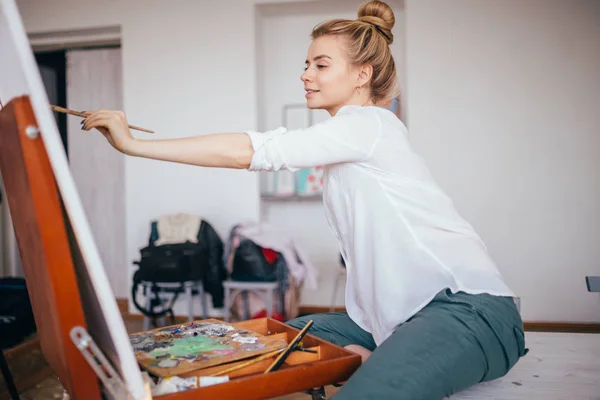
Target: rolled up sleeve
<point>344,138</point>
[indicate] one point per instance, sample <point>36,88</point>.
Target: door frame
<point>99,37</point>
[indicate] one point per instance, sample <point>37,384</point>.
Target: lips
<point>310,92</point>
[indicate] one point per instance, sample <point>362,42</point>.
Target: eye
<point>321,66</point>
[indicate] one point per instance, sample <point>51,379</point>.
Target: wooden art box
<point>324,364</point>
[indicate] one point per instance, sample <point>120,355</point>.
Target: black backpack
<point>168,263</point>
<point>177,263</point>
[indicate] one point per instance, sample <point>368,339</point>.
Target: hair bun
<point>380,14</point>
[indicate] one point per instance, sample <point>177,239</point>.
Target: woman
<point>426,306</point>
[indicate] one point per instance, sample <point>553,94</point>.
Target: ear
<point>365,73</point>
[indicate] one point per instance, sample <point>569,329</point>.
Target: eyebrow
<point>319,57</point>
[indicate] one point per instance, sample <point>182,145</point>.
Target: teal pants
<point>455,342</point>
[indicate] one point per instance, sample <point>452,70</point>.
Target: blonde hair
<point>368,39</point>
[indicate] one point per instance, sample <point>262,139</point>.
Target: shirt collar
<point>348,108</point>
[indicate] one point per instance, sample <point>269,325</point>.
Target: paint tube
<point>173,384</point>
<point>212,380</point>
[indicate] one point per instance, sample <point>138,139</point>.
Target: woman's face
<point>330,81</point>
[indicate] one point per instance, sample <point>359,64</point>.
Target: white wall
<point>283,41</point>
<point>504,103</point>
<point>486,81</point>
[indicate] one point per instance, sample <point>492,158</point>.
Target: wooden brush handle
<point>280,360</point>
<point>84,115</point>
<point>247,363</point>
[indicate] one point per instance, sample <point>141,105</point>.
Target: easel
<point>45,252</point>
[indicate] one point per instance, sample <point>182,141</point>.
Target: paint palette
<point>179,349</point>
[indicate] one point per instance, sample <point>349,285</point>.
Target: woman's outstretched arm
<point>219,150</point>
<point>222,150</point>
<point>345,138</point>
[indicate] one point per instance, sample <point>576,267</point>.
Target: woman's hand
<point>113,125</point>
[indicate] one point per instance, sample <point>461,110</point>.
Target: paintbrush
<point>306,350</point>
<point>277,363</point>
<point>247,363</point>
<point>257,359</point>
<point>85,115</point>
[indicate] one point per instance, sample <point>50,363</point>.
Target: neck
<point>363,99</point>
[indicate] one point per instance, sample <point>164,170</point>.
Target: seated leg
<point>453,343</point>
<point>336,328</point>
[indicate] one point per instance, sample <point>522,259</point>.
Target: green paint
<point>190,345</point>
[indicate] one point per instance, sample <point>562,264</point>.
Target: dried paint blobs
<point>207,329</point>
<point>252,346</point>
<point>245,339</point>
<point>147,343</point>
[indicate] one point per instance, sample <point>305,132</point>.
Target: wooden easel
<point>46,255</point>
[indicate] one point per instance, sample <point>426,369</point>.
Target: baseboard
<point>530,326</point>
<point>567,327</point>
<point>123,305</point>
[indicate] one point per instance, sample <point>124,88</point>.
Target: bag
<point>250,263</point>
<point>16,314</point>
<point>169,263</point>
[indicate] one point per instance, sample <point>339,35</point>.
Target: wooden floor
<point>558,366</point>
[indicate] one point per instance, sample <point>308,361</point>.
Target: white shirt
<point>399,233</point>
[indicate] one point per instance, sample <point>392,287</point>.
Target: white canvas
<point>20,76</point>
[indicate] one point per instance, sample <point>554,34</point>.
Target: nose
<point>306,76</point>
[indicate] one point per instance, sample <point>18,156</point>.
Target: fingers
<point>103,118</point>
<point>99,123</point>
<point>94,121</point>
<point>96,112</point>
